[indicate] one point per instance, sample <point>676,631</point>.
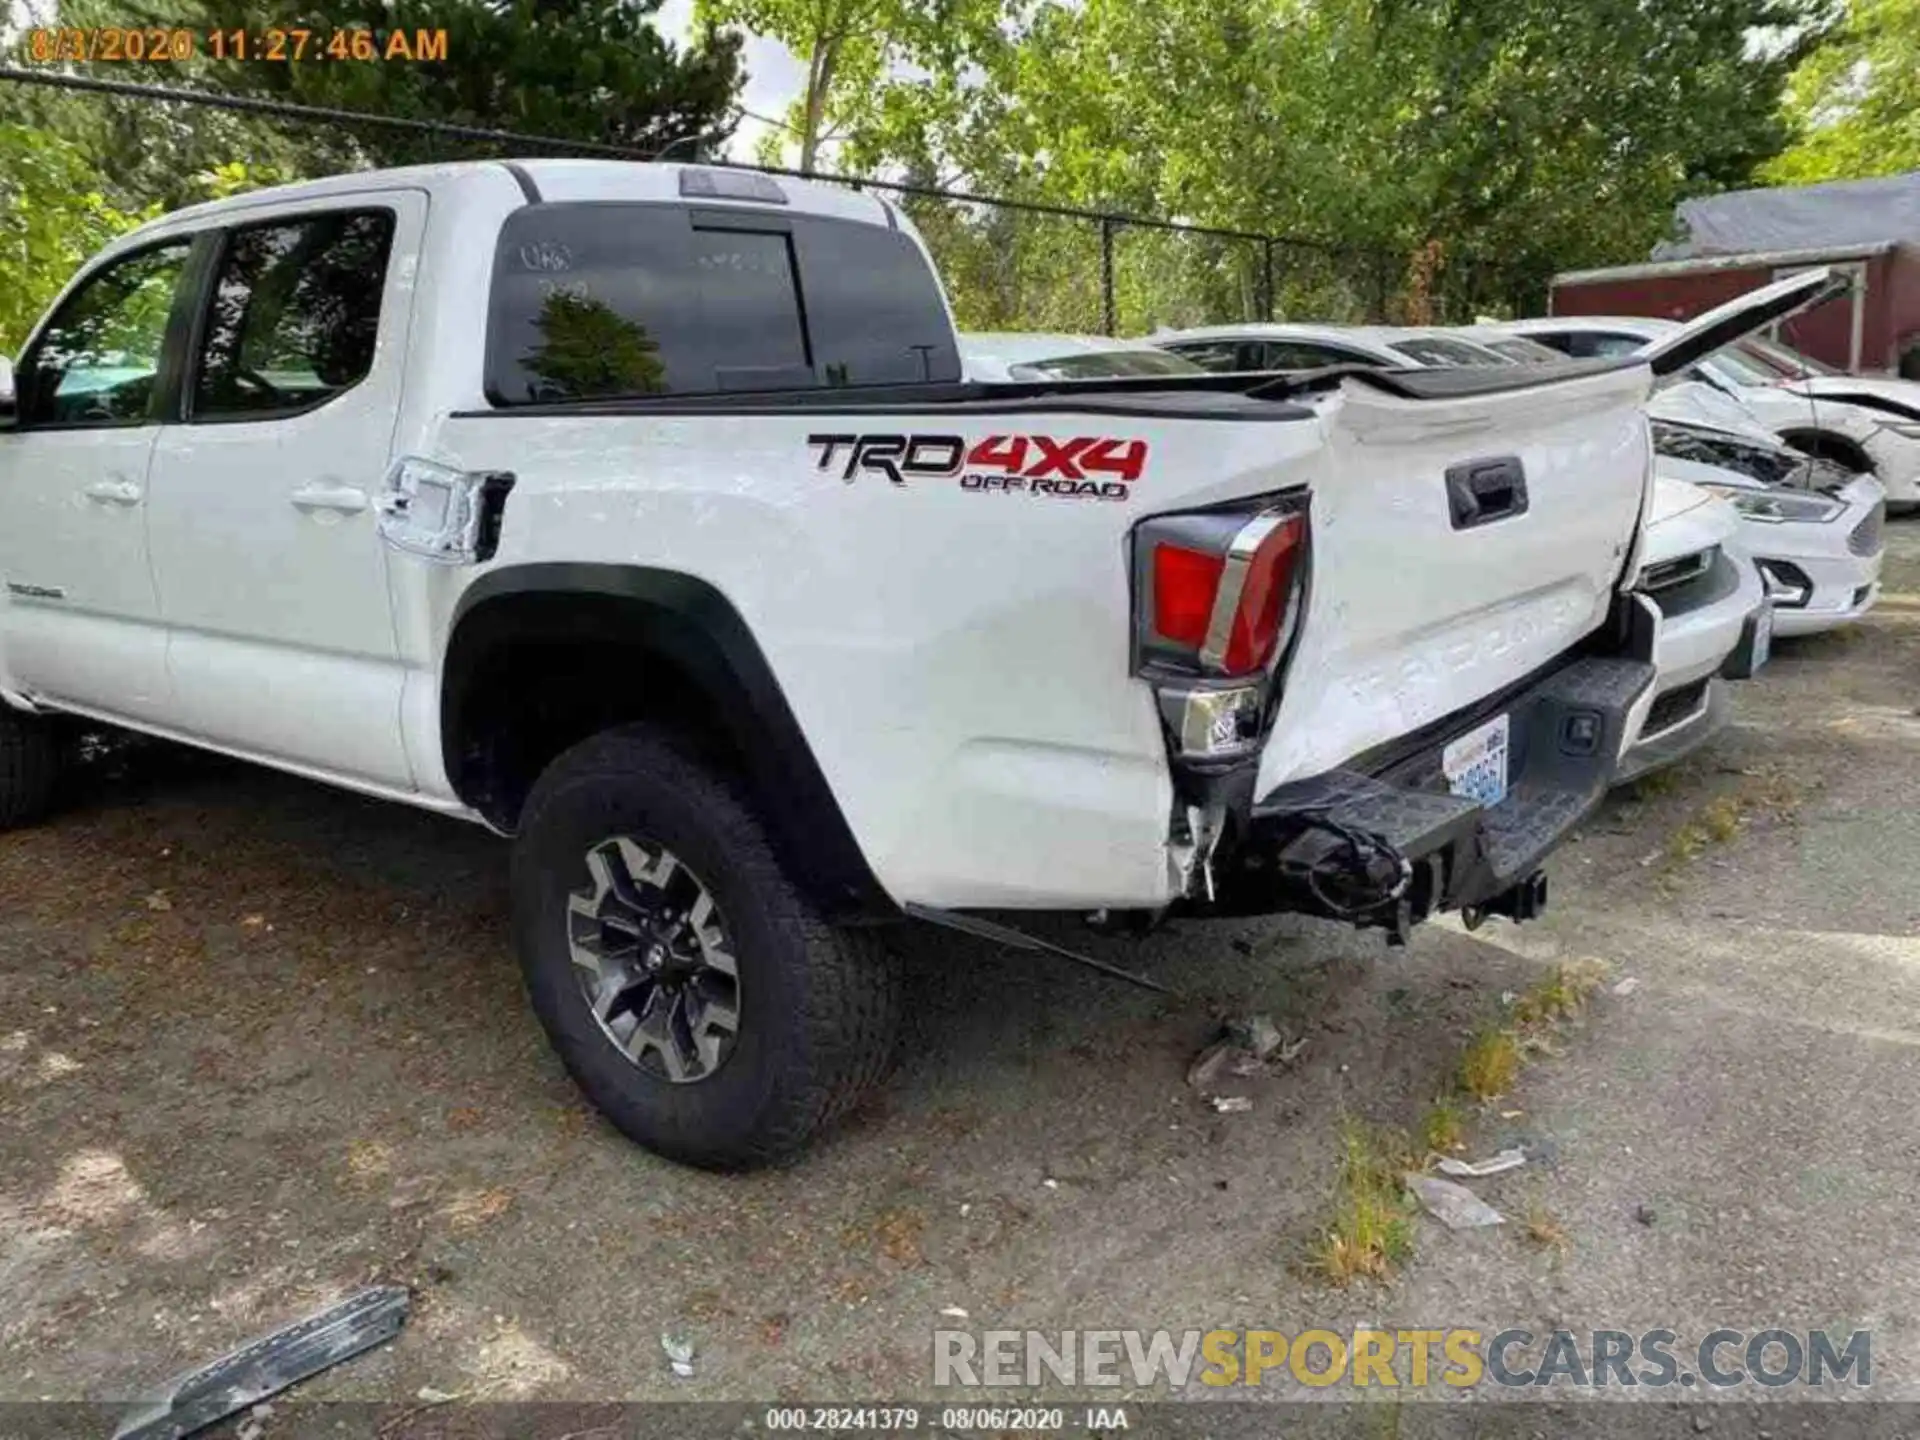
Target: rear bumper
<point>1566,731</point>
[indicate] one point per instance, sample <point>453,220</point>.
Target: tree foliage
<point>1516,136</point>
<point>590,70</point>
<point>849,48</point>
<point>53,215</point>
<point>1854,103</point>
<point>138,152</point>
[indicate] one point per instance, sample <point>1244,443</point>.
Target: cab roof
<point>709,186</point>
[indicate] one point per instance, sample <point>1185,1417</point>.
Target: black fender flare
<point>693,626</point>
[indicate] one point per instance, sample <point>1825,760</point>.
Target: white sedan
<point>1815,530</point>
<point>1863,424</point>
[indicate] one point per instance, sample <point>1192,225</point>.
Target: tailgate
<point>1459,544</point>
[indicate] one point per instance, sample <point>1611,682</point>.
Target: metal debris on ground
<point>1454,1206</point>
<point>1644,1214</point>
<point>244,1377</point>
<point>1475,1169</point>
<point>1258,1034</point>
<point>1247,1045</point>
<point>1627,986</point>
<point>679,1354</point>
<point>1232,1104</point>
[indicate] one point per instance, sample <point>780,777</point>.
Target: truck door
<point>79,621</point>
<point>272,578</point>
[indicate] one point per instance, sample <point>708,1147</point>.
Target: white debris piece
<point>1232,1104</point>
<point>1473,1169</point>
<point>1454,1206</point>
<point>679,1354</point>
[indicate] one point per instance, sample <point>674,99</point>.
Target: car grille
<point>1866,537</point>
<point>1674,706</point>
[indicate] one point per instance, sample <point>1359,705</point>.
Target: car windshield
<point>1438,350</point>
<point>1105,365</point>
<point>1786,361</point>
<point>1733,367</point>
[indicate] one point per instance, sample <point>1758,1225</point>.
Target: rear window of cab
<point>608,299</point>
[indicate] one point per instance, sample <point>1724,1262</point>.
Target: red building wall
<point>1890,324</point>
<point>1902,309</point>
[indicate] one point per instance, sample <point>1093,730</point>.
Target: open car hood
<point>1739,317</point>
<point>1897,398</point>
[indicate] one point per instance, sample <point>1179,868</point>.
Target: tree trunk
<point>820,69</point>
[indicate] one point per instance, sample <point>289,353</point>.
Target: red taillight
<point>1220,585</point>
<point>1263,597</point>
<point>1184,585</point>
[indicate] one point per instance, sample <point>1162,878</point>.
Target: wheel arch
<point>1829,445</point>
<point>684,654</point>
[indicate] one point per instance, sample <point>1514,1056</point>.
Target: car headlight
<point>1777,508</point>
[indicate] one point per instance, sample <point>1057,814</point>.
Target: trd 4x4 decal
<point>1080,467</point>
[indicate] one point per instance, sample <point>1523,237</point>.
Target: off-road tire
<point>30,756</point>
<point>819,1004</point>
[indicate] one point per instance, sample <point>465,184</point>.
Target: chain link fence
<point>1007,264</point>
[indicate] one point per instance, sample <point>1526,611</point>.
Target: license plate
<point>1762,636</point>
<point>1476,764</point>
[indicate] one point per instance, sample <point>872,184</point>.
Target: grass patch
<point>1560,994</point>
<point>1372,1229</point>
<point>1652,786</point>
<point>1443,1129</point>
<point>1490,1062</point>
<point>1722,818</point>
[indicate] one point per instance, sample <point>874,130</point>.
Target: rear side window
<point>596,300</point>
<point>1106,365</point>
<point>1305,355</point>
<point>1221,356</point>
<point>294,316</point>
<point>1588,344</point>
<point>1437,350</point>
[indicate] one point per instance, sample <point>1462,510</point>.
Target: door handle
<point>347,499</point>
<point>114,492</point>
<point>1482,491</point>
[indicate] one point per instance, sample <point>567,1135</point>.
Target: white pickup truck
<point>642,514</point>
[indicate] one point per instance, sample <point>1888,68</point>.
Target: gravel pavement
<point>261,1042</point>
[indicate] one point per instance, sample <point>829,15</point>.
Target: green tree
<point>589,349</point>
<point>1494,140</point>
<point>143,152</point>
<point>53,215</point>
<point>588,70</point>
<point>1854,103</point>
<point>850,47</point>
